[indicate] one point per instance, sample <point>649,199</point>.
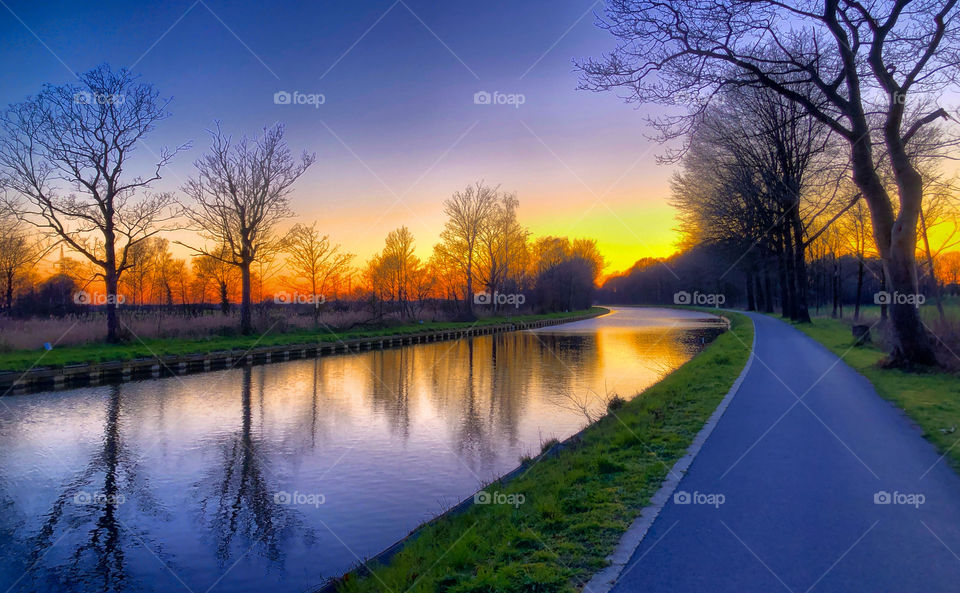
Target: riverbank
<point>931,399</point>
<point>92,363</point>
<point>552,526</point>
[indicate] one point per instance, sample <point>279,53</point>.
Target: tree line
<point>65,161</point>
<point>856,81</point>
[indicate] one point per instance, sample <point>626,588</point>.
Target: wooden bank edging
<point>80,375</point>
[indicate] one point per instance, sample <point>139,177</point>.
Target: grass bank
<point>21,360</point>
<point>576,504</point>
<point>932,400</point>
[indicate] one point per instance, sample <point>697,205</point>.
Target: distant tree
<point>64,156</point>
<point>19,252</point>
<point>868,71</point>
<point>138,280</point>
<point>949,268</point>
<point>217,271</point>
<point>240,194</point>
<point>566,273</point>
<point>53,296</point>
<point>396,275</point>
<point>315,261</point>
<point>503,248</point>
<point>467,212</point>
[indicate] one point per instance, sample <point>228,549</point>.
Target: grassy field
<point>21,360</point>
<point>577,504</point>
<point>932,399</point>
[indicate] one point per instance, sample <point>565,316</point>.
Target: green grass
<point>21,360</point>
<point>932,399</point>
<point>577,503</point>
<point>951,309</point>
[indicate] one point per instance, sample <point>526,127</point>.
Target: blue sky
<point>398,130</point>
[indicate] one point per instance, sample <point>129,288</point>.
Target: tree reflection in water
<point>85,518</point>
<point>385,435</point>
<point>237,506</point>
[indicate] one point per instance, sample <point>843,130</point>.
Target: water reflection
<point>278,476</point>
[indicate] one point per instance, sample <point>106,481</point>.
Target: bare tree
<point>867,71</point>
<point>215,269</point>
<point>19,252</point>
<point>467,214</point>
<point>315,260</point>
<point>241,192</point>
<point>65,156</point>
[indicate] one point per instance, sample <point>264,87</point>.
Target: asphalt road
<point>809,482</point>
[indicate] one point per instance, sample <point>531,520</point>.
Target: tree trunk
<point>8,298</point>
<point>786,304</point>
<point>856,307</point>
<point>800,308</point>
<point>246,321</point>
<point>896,240</point>
<point>468,299</point>
<point>113,320</point>
<point>883,287</point>
<point>768,291</point>
<point>912,344</point>
<point>751,298</point>
<point>835,286</point>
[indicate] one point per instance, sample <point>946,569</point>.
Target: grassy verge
<point>578,503</point>
<point>932,399</point>
<point>20,360</point>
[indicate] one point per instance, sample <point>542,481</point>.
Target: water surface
<point>276,477</point>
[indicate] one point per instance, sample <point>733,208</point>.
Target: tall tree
<point>467,213</point>
<point>240,193</point>
<point>315,261</point>
<point>865,70</point>
<point>65,156</point>
<point>19,252</point>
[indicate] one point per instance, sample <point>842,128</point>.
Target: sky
<point>399,129</point>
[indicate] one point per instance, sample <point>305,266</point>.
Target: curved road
<point>786,487</point>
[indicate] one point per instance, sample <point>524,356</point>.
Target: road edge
<point>604,580</point>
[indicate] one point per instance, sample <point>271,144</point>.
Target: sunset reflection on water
<point>216,471</point>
